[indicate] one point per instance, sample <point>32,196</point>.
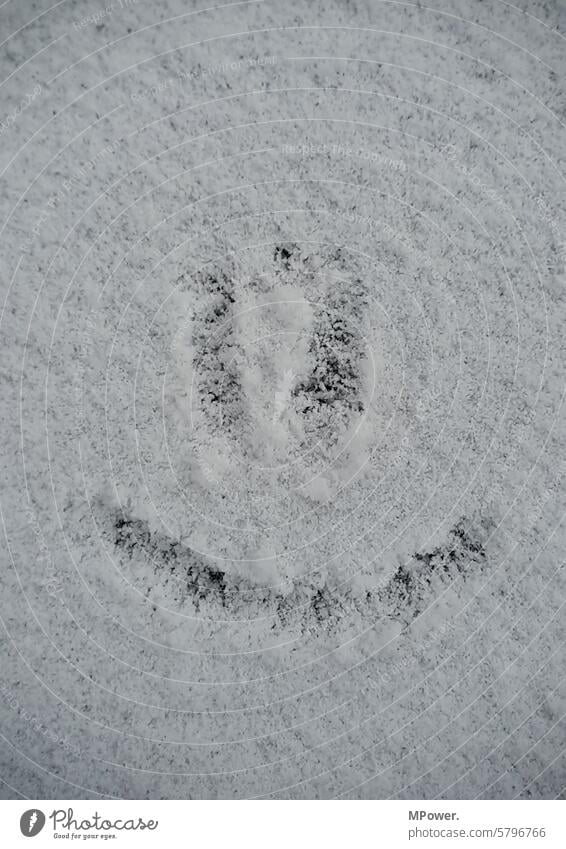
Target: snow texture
<point>283,368</point>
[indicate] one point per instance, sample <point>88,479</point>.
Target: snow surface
<point>283,367</point>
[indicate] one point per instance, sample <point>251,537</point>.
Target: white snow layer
<point>283,366</point>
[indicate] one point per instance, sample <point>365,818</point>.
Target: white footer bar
<point>284,824</point>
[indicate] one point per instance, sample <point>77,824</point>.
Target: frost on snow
<point>271,391</point>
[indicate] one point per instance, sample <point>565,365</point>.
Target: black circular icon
<point>31,822</point>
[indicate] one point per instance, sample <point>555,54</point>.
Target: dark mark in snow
<point>189,580</point>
